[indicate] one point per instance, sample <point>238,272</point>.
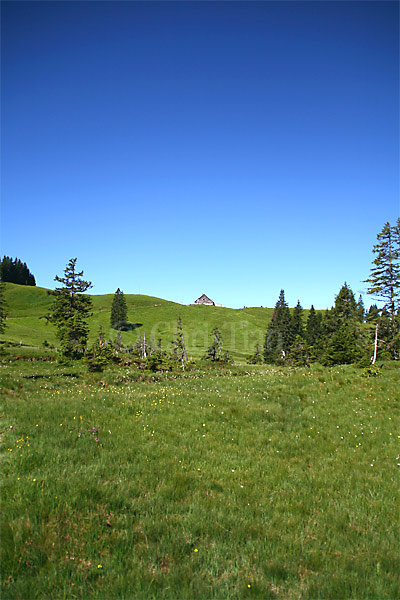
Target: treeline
<point>15,271</point>
<point>344,334</point>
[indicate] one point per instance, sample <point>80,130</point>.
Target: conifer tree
<point>299,354</point>
<point>178,345</point>
<point>373,313</point>
<point>343,339</point>
<point>360,309</point>
<point>314,328</point>
<point>70,311</point>
<point>388,335</point>
<point>256,358</point>
<point>342,347</point>
<point>297,325</point>
<point>345,308</point>
<point>119,311</point>
<point>278,338</point>
<point>384,280</point>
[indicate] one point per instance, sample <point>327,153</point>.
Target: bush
<point>99,355</point>
<point>372,371</point>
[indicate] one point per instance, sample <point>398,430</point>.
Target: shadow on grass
<point>74,375</point>
<point>131,326</point>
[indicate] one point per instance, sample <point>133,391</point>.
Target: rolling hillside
<point>241,329</point>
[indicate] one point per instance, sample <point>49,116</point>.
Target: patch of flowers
<point>92,432</point>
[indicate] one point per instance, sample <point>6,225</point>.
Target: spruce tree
<point>278,338</point>
<point>256,358</point>
<point>384,280</point>
<point>360,309</point>
<point>297,325</point>
<point>343,338</point>
<point>178,345</point>
<point>342,347</point>
<point>70,311</point>
<point>119,311</point>
<point>345,308</point>
<point>313,328</point>
<point>388,333</point>
<point>373,313</point>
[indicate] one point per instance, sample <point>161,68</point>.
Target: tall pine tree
<point>297,325</point>
<point>313,328</point>
<point>384,280</point>
<point>345,308</point>
<point>278,338</point>
<point>119,311</point>
<point>70,311</point>
<point>360,309</point>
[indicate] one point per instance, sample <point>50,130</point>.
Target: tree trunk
<point>375,344</point>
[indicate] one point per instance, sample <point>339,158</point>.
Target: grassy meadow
<point>241,482</point>
<point>241,329</point>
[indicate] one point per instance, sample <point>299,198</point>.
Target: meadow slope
<point>241,329</point>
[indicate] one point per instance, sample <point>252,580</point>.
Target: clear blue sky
<point>176,148</point>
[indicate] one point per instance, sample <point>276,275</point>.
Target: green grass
<point>241,329</point>
<point>261,483</point>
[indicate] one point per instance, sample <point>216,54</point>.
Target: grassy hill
<point>241,329</point>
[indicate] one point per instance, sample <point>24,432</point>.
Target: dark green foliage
<point>360,309</point>
<point>100,354</point>
<point>373,313</point>
<point>278,338</point>
<point>342,347</point>
<point>70,311</point>
<point>256,358</point>
<point>343,339</point>
<point>372,371</point>
<point>160,361</point>
<point>119,311</point>
<point>15,271</point>
<point>345,308</point>
<point>297,325</point>
<point>214,352</point>
<point>384,280</point>
<point>3,308</point>
<point>299,354</point>
<point>313,328</point>
<point>388,336</point>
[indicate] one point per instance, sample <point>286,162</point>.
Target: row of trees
<point>15,271</point>
<point>346,333</point>
<point>342,335</point>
